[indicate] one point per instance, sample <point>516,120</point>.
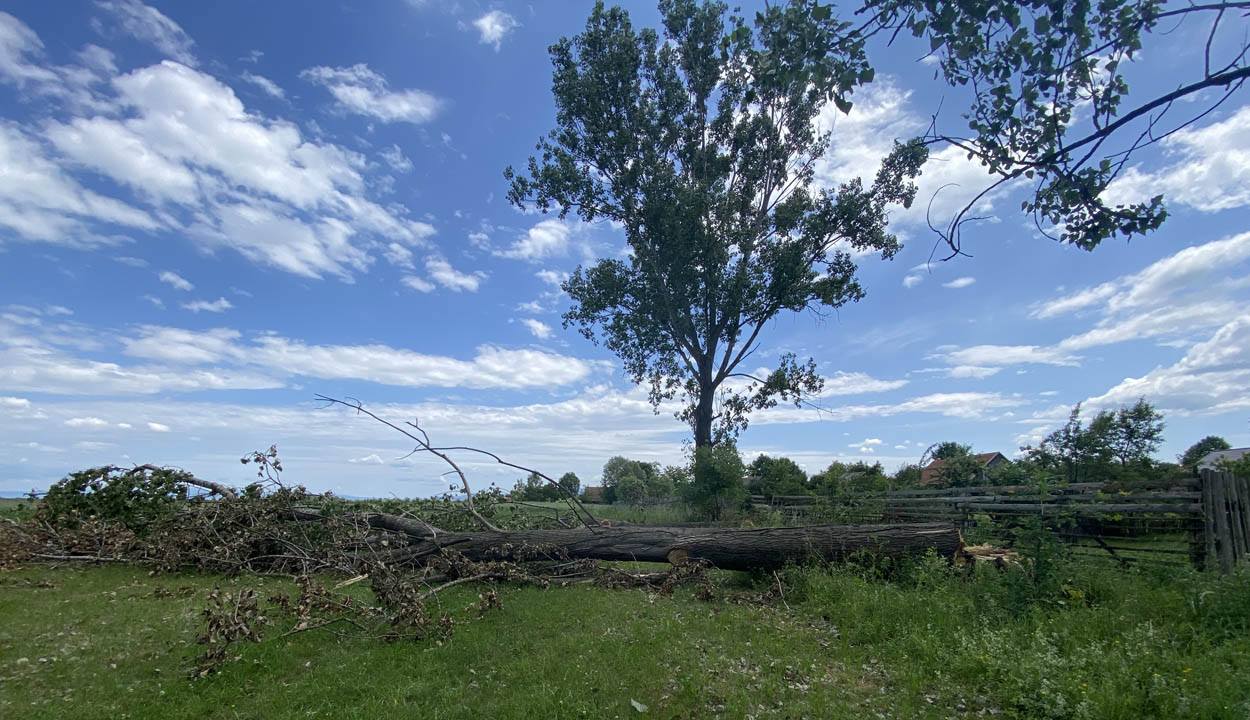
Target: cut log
<point>728,549</point>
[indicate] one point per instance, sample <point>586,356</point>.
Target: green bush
<point>717,487</point>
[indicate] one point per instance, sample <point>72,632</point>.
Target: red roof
<point>930,471</point>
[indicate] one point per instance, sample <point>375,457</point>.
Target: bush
<point>717,486</point>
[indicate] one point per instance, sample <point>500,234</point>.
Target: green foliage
<point>571,483</point>
<point>1032,64</point>
<point>949,449</point>
<point>631,490</point>
<point>717,487</point>
<point>134,498</point>
<point>701,142</point>
<point>618,469</point>
<point>841,479</point>
<point>1191,457</point>
<point>960,471</point>
<point>1115,445</point>
<point>906,477</point>
<point>776,476</point>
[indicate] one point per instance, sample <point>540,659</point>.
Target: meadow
<point>921,639</point>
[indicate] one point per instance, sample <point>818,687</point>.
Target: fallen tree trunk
<point>728,549</point>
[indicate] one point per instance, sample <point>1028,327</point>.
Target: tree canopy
<point>701,143</point>
<point>1118,442</point>
<point>1191,457</point>
<point>1052,105</point>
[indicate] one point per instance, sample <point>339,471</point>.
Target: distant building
<point>1211,461</point>
<point>931,474</point>
<point>593,494</point>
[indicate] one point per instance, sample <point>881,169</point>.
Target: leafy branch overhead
<point>701,144</point>
<point>1052,104</point>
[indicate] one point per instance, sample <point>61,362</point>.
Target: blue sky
<point>209,212</point>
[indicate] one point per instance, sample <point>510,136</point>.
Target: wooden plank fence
<point>1210,510</point>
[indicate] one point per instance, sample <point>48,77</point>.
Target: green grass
<point>16,508</point>
<point>928,642</point>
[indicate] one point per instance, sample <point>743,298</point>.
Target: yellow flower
<point>1186,669</point>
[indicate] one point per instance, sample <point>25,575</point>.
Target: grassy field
<point>921,641</point>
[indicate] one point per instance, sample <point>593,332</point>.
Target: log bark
<point>728,549</point>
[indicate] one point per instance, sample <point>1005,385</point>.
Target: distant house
<point>931,474</point>
<point>593,494</point>
<point>1211,461</point>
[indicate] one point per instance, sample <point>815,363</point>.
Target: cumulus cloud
<point>1213,377</point>
<point>548,238</point>
<point>494,26</point>
<point>541,330</point>
<point>882,113</point>
<point>445,275</point>
<point>1209,169</point>
<point>169,277</point>
<point>360,90</point>
<point>184,140</point>
<point>158,427</point>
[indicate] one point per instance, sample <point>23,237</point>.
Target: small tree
<point>631,489</point>
<point>717,485</point>
<point>948,449</point>
<point>570,482</point>
<point>777,476</point>
<point>1191,457</point>
<point>1114,445</point>
<point>617,468</point>
<point>702,144</point>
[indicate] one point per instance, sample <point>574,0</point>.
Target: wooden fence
<point>1201,520</point>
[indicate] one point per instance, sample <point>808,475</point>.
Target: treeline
<point>1112,446</point>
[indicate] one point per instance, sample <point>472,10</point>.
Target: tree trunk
<point>728,549</point>
<point>703,412</point>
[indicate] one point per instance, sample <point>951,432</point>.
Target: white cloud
<point>848,383</point>
<point>957,283</point>
<point>15,403</point>
<point>360,90</point>
<point>396,159</point>
<point>156,302</point>
<point>170,277</point>
<point>1211,169</point>
<point>371,459</point>
<point>418,284</point>
<point>494,26</point>
<point>971,371</point>
<point>547,238</point>
<point>247,182</point>
<point>149,25</point>
<point>1158,282</point>
<point>881,114</point>
<point>541,330</point>
<point>219,305</point>
<point>16,41</point>
<point>444,274</point>
<point>175,345</point>
<point>1212,378</point>
<point>86,422</point>
<point>491,367</point>
<point>911,281</point>
<point>398,255</point>
<point>158,427</point>
<point>269,87</point>
<point>1000,355</point>
<point>40,202</point>
<point>554,278</point>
